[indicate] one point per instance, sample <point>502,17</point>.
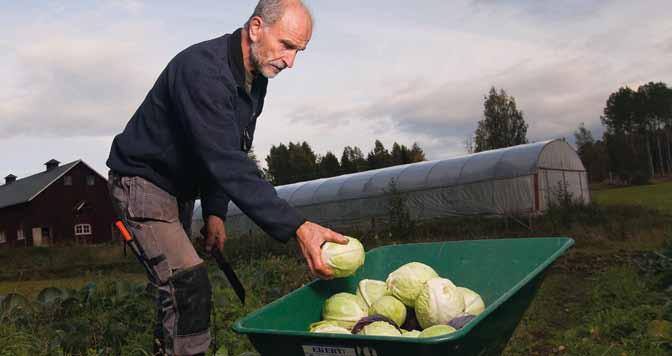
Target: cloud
<point>415,72</point>
<point>544,91</point>
<point>666,45</point>
<point>548,10</point>
<point>133,6</point>
<point>64,82</point>
<point>559,78</point>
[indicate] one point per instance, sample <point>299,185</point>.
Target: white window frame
<point>20,236</point>
<point>82,229</point>
<point>3,237</point>
<point>90,180</point>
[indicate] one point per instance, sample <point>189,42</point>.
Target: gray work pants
<point>184,294</point>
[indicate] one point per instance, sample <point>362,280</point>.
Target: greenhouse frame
<point>522,180</point>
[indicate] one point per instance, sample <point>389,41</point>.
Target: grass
<point>65,261</point>
<point>31,288</point>
<point>654,196</point>
<point>597,299</point>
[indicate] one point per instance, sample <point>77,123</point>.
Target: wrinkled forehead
<point>295,25</point>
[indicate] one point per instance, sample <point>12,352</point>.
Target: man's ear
<point>256,26</point>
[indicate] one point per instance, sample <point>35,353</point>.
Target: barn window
<point>3,237</point>
<point>83,229</point>
<point>90,180</point>
<point>19,235</point>
<point>67,180</point>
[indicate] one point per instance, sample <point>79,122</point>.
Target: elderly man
<point>190,137</point>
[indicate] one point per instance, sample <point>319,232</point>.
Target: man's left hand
<point>216,233</point>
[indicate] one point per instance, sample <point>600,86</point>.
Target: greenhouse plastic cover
<point>492,182</point>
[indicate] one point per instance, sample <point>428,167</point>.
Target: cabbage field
<point>611,294</point>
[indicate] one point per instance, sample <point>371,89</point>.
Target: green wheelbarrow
<point>505,272</point>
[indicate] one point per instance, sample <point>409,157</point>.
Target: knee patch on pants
<point>193,296</point>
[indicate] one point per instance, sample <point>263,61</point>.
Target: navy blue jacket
<point>191,134</point>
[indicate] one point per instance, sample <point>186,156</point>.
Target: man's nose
<point>289,59</point>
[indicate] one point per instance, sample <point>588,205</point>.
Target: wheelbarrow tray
<point>505,272</point>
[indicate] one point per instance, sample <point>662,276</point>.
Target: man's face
<point>274,48</point>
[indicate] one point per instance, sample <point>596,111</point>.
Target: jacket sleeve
<point>204,105</point>
<point>214,202</point>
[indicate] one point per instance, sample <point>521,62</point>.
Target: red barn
<point>62,204</point>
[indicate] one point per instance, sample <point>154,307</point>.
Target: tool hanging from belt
<point>138,251</point>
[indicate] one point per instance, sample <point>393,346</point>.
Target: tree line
<point>637,143</point>
<point>503,125</point>
<point>297,162</point>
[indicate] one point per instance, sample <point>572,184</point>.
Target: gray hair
<point>271,11</point>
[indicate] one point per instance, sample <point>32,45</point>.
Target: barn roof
<point>26,189</point>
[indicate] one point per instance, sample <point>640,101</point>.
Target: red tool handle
<point>124,232</point>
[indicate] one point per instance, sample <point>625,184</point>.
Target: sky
<point>74,72</point>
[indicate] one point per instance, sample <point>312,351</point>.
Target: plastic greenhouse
<point>519,180</point>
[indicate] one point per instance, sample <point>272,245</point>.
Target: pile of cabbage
<point>414,301</point>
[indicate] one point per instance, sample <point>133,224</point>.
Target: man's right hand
<point>215,233</point>
<point>311,236</point>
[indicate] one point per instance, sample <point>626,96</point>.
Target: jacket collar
<point>235,46</point>
<point>236,58</point>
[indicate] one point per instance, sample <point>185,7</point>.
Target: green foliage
<point>297,162</point>
<point>564,209</point>
<point>379,157</point>
<point>329,166</point>
<point>627,158</point>
<point>111,319</point>
<point>638,126</point>
<point>621,306</point>
<point>593,154</point>
<point>352,160</point>
<point>503,124</point>
<point>289,164</point>
<point>596,300</point>
<point>401,226</point>
<point>619,112</point>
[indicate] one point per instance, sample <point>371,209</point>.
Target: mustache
<point>279,64</point>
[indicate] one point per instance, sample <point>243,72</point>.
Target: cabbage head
<point>406,282</point>
<point>437,330</point>
<point>344,260</point>
<point>390,307</point>
<point>380,328</point>
<point>345,309</point>
<point>439,302</point>
<point>328,326</point>
<point>473,303</point>
<point>370,290</point>
<point>412,333</point>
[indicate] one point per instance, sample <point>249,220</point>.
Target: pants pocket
<point>149,202</point>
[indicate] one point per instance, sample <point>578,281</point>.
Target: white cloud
<point>417,71</point>
<point>66,82</point>
<point>427,83</point>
